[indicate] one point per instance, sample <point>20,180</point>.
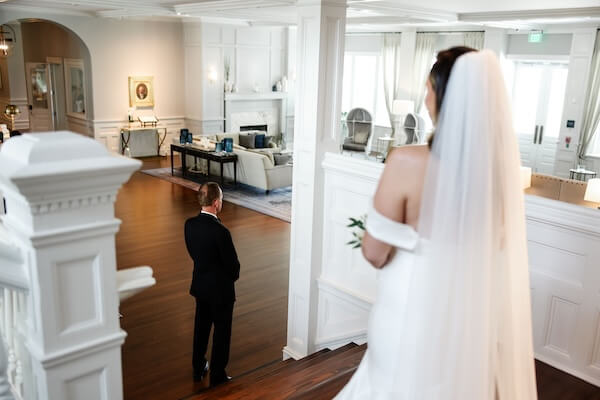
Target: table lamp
<point>11,111</point>
<point>525,177</point>
<point>592,192</point>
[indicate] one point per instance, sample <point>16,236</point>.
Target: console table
<point>196,152</point>
<point>160,133</point>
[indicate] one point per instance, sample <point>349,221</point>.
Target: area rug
<point>278,203</point>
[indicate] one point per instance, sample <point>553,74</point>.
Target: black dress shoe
<point>199,375</point>
<point>219,380</point>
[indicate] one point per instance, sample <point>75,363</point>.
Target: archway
<point>48,76</point>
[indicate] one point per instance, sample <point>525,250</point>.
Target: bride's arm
<point>390,201</point>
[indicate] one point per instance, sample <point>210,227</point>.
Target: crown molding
<point>559,13</point>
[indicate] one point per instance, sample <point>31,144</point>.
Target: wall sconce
<point>7,39</point>
<point>592,192</point>
<point>212,75</point>
<point>525,177</point>
<point>11,111</point>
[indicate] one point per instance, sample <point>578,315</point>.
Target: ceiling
<point>362,14</point>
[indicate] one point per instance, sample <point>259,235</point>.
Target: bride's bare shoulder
<point>415,154</point>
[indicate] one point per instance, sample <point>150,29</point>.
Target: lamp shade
<point>592,192</point>
<point>11,109</point>
<point>526,177</point>
<point>403,107</point>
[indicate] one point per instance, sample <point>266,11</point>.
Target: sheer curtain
<point>391,75</point>
<point>474,40</point>
<point>592,104</point>
<point>424,52</point>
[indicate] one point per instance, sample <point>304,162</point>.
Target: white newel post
<point>320,55</point>
<point>60,190</point>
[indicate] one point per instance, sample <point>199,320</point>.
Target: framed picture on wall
<point>75,87</point>
<point>141,91</point>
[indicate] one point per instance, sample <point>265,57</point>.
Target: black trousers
<point>219,315</point>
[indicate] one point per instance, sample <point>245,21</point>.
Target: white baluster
<point>5,393</point>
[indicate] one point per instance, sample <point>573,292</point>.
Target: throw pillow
<point>268,141</point>
<point>282,159</point>
<point>247,140</point>
<point>259,141</point>
<point>361,134</point>
<point>234,136</point>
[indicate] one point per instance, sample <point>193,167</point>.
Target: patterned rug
<point>278,203</point>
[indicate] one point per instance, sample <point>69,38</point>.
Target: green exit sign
<point>535,37</point>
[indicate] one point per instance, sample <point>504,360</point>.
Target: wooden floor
<point>159,321</point>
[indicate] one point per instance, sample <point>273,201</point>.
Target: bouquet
<point>358,231</point>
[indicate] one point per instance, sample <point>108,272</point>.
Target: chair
<point>360,127</point>
<point>413,128</point>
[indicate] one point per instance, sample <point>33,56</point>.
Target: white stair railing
<point>59,319</point>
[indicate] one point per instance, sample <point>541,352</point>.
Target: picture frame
<point>141,91</point>
<point>75,87</point>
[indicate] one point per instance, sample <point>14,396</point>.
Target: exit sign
<point>535,37</point>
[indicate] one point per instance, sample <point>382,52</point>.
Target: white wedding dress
<point>452,317</point>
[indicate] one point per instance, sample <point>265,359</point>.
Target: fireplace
<point>253,128</point>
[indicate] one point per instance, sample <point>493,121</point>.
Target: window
<point>363,85</point>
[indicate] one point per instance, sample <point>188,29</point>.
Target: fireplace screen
<point>253,128</point>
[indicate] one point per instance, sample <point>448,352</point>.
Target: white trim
<point>568,370</point>
<point>289,352</point>
<point>563,215</point>
<point>50,360</point>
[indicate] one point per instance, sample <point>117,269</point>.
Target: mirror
<point>39,87</point>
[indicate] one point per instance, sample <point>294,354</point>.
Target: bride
<point>452,318</point>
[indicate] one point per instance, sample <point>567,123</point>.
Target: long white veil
<point>470,336</point>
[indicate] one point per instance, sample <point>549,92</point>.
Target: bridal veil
<point>469,335</point>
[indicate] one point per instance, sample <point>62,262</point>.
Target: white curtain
<point>474,40</point>
<point>424,52</point>
<point>391,73</point>
<point>591,118</point>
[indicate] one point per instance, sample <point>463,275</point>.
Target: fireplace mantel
<point>263,104</point>
<point>255,96</point>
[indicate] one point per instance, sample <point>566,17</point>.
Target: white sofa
<point>255,167</point>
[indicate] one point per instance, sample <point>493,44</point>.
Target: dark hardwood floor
<point>159,321</point>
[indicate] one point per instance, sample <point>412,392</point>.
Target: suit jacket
<point>216,266</point>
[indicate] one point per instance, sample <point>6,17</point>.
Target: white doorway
<point>38,91</point>
<point>538,93</point>
<point>57,94</point>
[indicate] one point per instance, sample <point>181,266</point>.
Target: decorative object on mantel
<point>592,192</point>
<point>226,70</point>
<point>11,111</point>
<point>141,91</point>
<point>284,84</point>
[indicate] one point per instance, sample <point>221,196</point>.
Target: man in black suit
<point>216,268</point>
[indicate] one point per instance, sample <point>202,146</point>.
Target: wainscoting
<point>108,132</point>
<point>564,253</point>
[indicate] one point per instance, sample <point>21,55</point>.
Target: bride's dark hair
<point>440,74</point>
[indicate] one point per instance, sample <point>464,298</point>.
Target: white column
<point>320,55</point>
<point>16,76</point>
<point>580,60</point>
<point>60,190</point>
